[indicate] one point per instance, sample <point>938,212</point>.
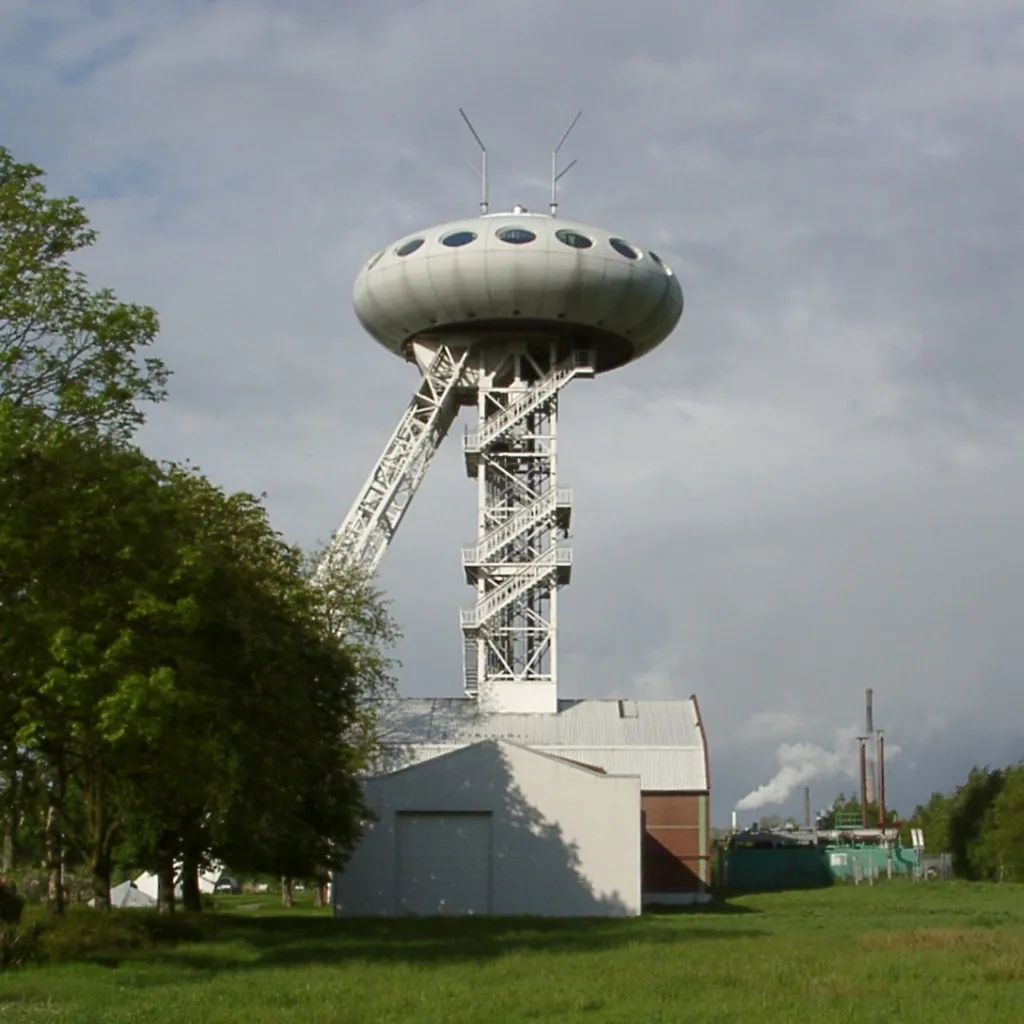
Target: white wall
<point>564,841</point>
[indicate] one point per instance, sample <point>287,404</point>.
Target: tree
<point>971,821</point>
<point>76,577</point>
<point>74,355</point>
<point>330,671</point>
<point>1004,839</point>
<point>63,348</point>
<point>171,668</point>
<point>268,733</point>
<point>357,613</point>
<point>172,683</point>
<point>933,818</point>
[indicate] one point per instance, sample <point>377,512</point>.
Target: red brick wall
<point>674,858</point>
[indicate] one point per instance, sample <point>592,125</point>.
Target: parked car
<point>229,885</point>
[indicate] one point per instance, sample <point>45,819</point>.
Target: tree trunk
<point>7,851</point>
<point>287,900</point>
<point>165,875</point>
<point>10,823</point>
<point>320,892</point>
<point>53,838</point>
<point>99,833</point>
<point>191,898</point>
<point>101,879</point>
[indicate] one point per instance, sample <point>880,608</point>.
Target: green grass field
<point>927,953</point>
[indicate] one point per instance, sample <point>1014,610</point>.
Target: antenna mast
<point>555,175</point>
<point>483,163</point>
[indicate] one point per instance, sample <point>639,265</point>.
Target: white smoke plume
<point>800,763</point>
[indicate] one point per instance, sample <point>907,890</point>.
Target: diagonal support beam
<point>375,515</point>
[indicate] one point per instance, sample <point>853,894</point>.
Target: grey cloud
<point>812,487</point>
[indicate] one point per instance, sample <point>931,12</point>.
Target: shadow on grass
<point>280,941</point>
<point>716,908</point>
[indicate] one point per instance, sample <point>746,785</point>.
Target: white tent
<point>127,895</point>
<point>148,883</point>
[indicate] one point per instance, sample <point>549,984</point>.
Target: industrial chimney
<point>870,787</point>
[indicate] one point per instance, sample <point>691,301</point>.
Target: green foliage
<point>971,824</point>
<point>981,823</point>
<point>18,945</point>
<point>355,611</point>
<point>171,685</point>
<point>848,808</point>
<point>934,818</point>
<point>64,348</point>
<point>84,935</point>
<point>81,934</point>
<point>171,662</point>
<point>11,904</point>
<point>1006,848</point>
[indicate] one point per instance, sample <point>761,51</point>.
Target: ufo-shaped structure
<point>499,312</point>
<point>521,273</point>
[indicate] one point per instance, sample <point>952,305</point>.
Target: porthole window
<point>624,248</point>
<point>661,263</point>
<point>408,248</point>
<point>573,239</point>
<point>515,236</point>
<point>375,260</point>
<point>454,239</point>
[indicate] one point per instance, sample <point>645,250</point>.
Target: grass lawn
<point>928,953</point>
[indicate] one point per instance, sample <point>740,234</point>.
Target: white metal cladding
<point>661,741</point>
<point>550,853</point>
<point>436,286</point>
<point>443,864</point>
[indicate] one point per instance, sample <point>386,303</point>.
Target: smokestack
<point>863,781</point>
<point>735,818</point>
<point>870,792</point>
<point>881,780</point>
<point>807,806</point>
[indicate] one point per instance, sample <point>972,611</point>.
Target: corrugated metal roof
<point>660,741</point>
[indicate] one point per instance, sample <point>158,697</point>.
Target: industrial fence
<point>911,864</point>
<point>937,867</point>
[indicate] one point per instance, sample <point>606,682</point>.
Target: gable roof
<point>661,741</point>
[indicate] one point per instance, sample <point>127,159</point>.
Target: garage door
<point>444,864</point>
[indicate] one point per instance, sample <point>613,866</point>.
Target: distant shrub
<point>18,945</point>
<point>11,904</point>
<point>83,933</point>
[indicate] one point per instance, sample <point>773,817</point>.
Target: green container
<point>808,867</point>
<point>847,862</point>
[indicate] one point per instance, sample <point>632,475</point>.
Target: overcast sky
<point>815,485</point>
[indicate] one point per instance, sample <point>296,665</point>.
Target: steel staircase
<point>556,560</point>
<point>555,505</point>
<point>517,563</point>
<point>470,666</point>
<point>579,364</point>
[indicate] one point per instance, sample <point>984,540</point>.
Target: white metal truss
<point>385,497</point>
<point>518,561</point>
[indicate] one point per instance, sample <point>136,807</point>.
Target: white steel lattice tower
<point>500,312</point>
